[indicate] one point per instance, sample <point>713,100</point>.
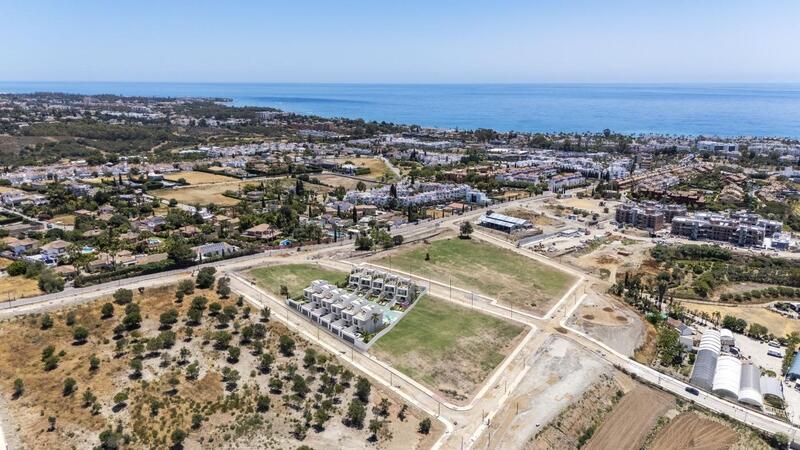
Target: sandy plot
<point>631,420</point>
<point>560,374</point>
<point>195,177</point>
<point>588,204</point>
<point>689,431</point>
<point>610,322</point>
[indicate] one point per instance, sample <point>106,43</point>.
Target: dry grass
<point>646,352</point>
<point>229,418</point>
<point>203,194</point>
<point>775,323</point>
<point>17,287</point>
<point>195,177</point>
<point>64,219</point>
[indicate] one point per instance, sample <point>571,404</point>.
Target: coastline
<point>718,110</point>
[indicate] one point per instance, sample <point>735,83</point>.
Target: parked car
<point>775,353</point>
<point>775,344</point>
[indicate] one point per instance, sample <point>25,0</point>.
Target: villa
<point>373,302</point>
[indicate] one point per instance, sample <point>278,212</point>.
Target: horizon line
<point>376,83</point>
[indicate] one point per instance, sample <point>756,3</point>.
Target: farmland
<point>447,347</point>
<point>151,373</point>
<point>690,431</point>
<point>631,420</point>
<point>511,278</point>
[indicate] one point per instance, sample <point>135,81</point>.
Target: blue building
<point>794,370</point>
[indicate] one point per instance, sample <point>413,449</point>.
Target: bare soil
<point>689,431</point>
<point>566,430</point>
<point>628,425</point>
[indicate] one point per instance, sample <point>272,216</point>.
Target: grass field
<point>447,347</point>
<point>194,177</point>
<point>500,273</point>
<point>295,277</point>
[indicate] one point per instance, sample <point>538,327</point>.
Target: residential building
<point>650,216</point>
<point>20,246</point>
<point>213,250</point>
<point>54,249</point>
<point>262,231</point>
<point>743,229</point>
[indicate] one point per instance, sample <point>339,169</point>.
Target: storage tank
<point>750,386</point>
<point>705,363</point>
<point>727,376</point>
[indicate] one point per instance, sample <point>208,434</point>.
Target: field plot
<point>689,431</point>
<point>195,177</point>
<point>486,269</point>
<point>345,182</point>
<point>447,347</point>
<point>377,168</point>
<point>204,194</point>
<point>295,277</point>
<point>172,370</point>
<point>631,420</point>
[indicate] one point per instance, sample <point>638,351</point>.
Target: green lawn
<point>447,347</point>
<point>487,269</point>
<point>295,277</point>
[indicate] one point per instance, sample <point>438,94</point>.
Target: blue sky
<point>407,41</point>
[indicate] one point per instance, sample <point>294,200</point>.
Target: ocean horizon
<point>708,109</point>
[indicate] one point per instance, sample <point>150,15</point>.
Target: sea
<point>723,110</point>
